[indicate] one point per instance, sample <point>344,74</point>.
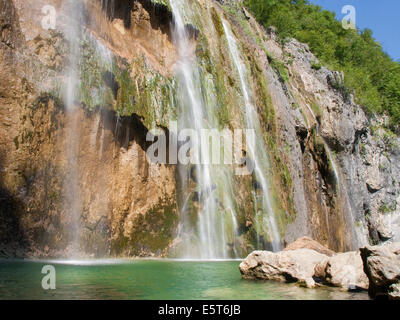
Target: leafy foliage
<point>369,72</point>
<point>316,66</point>
<point>279,68</point>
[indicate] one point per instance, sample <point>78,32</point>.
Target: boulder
<point>343,270</point>
<point>382,266</point>
<point>394,291</point>
<point>308,243</point>
<point>287,266</point>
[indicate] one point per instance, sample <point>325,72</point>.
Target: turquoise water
<point>148,279</point>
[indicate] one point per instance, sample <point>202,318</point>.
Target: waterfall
<point>72,200</point>
<point>108,7</point>
<point>265,216</point>
<point>346,206</point>
<point>214,229</point>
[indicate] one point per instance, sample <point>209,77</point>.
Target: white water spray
<point>215,227</point>
<point>72,201</point>
<point>265,215</point>
<point>356,242</point>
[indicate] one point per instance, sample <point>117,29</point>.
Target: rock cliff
<point>79,171</point>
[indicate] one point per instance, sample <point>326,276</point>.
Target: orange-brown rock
<point>308,243</point>
<point>127,206</point>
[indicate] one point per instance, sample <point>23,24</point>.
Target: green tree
<point>369,72</point>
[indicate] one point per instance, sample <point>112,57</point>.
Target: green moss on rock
<point>93,91</point>
<point>152,232</point>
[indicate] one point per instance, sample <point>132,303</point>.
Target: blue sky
<point>381,16</point>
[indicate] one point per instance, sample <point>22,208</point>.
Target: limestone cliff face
<point>333,169</point>
<point>344,175</point>
<point>356,192</point>
<point>127,206</point>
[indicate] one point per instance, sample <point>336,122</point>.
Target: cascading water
<point>355,241</point>
<point>108,6</point>
<point>72,201</point>
<point>265,216</point>
<point>213,234</point>
<point>328,150</point>
<point>79,39</point>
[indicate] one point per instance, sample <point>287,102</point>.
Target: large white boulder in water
<point>306,266</point>
<point>382,266</point>
<point>288,266</point>
<point>343,270</point>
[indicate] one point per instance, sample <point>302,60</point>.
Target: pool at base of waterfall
<point>148,280</point>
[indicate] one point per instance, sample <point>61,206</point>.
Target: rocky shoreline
<point>308,263</point>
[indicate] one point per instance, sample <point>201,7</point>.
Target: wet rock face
<point>339,185</point>
<point>322,124</point>
<point>11,242</point>
<point>127,207</point>
<point>9,28</point>
<point>382,266</point>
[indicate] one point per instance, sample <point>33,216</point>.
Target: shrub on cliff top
<point>369,72</point>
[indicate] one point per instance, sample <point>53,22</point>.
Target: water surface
<point>148,279</point>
